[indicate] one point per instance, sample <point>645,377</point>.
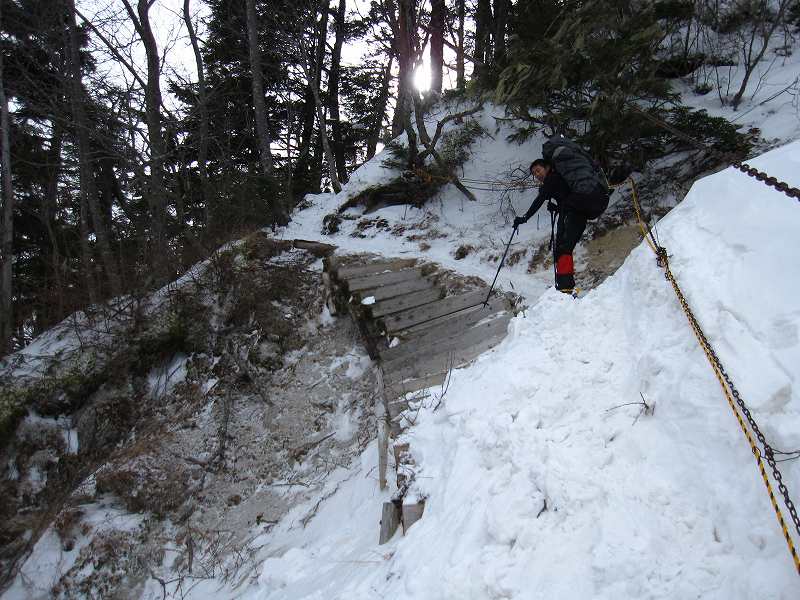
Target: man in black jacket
<point>574,210</point>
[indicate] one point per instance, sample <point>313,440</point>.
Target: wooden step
<point>439,335</point>
<point>404,302</point>
<point>316,248</point>
<point>446,306</point>
<point>396,289</point>
<point>389,277</point>
<point>457,340</point>
<point>496,304</point>
<point>361,270</point>
<point>455,354</point>
<point>401,388</point>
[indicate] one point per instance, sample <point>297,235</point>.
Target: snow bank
<point>545,479</point>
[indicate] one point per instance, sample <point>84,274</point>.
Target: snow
<point>484,225</point>
<point>543,472</point>
<point>49,559</point>
<point>544,477</point>
<point>771,102</point>
<point>167,376</point>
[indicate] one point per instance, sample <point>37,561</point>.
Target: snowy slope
<point>538,482</point>
<point>449,221</point>
<point>669,505</point>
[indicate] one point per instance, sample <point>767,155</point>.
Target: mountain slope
<point>540,485</point>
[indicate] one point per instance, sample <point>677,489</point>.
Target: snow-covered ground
<point>540,484</point>
<point>544,477</point>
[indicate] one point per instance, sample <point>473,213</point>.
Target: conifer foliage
<point>117,172</point>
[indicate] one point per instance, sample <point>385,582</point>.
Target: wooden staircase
<point>418,323</point>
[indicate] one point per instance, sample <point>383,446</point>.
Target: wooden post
<point>381,415</point>
<point>390,521</point>
<point>411,513</point>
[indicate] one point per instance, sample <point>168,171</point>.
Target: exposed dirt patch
<point>370,227</point>
<point>606,253</point>
<point>247,402</point>
<point>463,251</point>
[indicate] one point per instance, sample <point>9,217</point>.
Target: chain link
<point>730,391</point>
<point>779,185</point>
<point>769,451</point>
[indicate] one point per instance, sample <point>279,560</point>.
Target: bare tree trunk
<point>333,93</point>
<point>7,246</point>
<point>438,17</point>
<point>380,110</point>
<point>311,76</point>
<point>499,30</point>
<point>406,34</point>
<point>326,146</point>
<point>156,192</point>
<point>78,102</point>
<point>483,26</point>
<point>260,105</point>
<point>305,161</point>
<point>202,148</point>
<point>405,59</point>
<point>86,251</point>
<point>430,144</point>
<point>50,205</point>
<point>460,76</point>
<point>762,29</point>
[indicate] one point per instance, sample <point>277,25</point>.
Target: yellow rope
<point>707,350</point>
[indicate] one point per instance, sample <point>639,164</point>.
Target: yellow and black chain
<point>731,393</point>
<point>773,182</point>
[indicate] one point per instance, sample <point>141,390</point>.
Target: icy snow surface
<point>539,484</point>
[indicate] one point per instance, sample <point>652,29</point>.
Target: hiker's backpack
<point>574,164</point>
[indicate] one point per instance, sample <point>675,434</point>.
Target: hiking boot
<point>565,282</point>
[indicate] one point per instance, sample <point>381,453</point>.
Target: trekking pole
<point>502,260</point>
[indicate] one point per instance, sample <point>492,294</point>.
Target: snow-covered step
<point>417,315</point>
<point>450,353</point>
<point>396,289</point>
<point>381,279</point>
<point>433,333</point>
<point>373,268</point>
<point>496,304</point>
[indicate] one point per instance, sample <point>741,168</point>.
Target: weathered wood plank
<point>411,514</point>
<point>459,340</point>
<point>390,521</point>
<point>383,428</point>
<point>362,270</point>
<point>396,289</point>
<point>496,304</point>
<point>389,277</point>
<point>435,335</point>
<point>414,316</point>
<point>406,371</point>
<point>316,248</point>
<point>404,302</point>
<point>396,407</point>
<point>403,387</point>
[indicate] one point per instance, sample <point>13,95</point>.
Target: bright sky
<point>173,39</point>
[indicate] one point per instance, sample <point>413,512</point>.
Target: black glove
<point>552,206</point>
<point>519,221</point>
